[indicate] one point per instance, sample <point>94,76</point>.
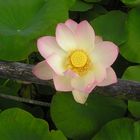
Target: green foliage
<point>130,49</point>
<point>80,122</point>
<point>132,73</point>
<point>111,28</point>
<point>9,87</point>
<point>92,0</point>
<point>55,135</point>
<point>131,2</point>
<point>134,108</point>
<point>120,129</point>
<point>80,6</point>
<point>96,11</point>
<point>22,125</point>
<point>21,23</point>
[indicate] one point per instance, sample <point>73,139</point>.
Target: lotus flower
<point>76,59</point>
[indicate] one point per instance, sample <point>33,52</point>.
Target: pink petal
<point>70,73</point>
<point>80,97</point>
<point>42,71</point>
<point>56,62</point>
<point>62,83</point>
<point>84,83</point>
<point>71,25</point>
<point>98,39</point>
<point>106,52</point>
<point>65,37</point>
<point>47,46</point>
<point>99,72</point>
<point>110,78</point>
<point>85,35</point>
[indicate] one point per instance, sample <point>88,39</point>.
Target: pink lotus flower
<point>76,59</point>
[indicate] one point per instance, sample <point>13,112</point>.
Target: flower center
<point>78,59</point>
<point>79,62</point>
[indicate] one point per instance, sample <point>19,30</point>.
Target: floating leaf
<point>119,129</point>
<point>131,2</point>
<point>92,0</point>
<point>80,122</point>
<point>132,73</point>
<point>134,108</point>
<point>21,23</point>
<point>130,50</point>
<point>80,6</point>
<point>110,28</point>
<point>96,11</point>
<point>18,124</point>
<point>56,135</point>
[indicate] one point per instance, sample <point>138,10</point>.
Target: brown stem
<point>123,89</point>
<point>24,100</point>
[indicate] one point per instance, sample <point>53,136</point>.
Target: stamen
<point>79,62</point>
<point>78,58</point>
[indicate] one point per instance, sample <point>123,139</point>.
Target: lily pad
<point>110,28</point>
<point>81,6</point>
<point>132,73</point>
<point>18,124</point>
<point>21,23</point>
<point>81,122</point>
<point>120,129</point>
<point>131,2</point>
<point>130,49</point>
<point>92,0</point>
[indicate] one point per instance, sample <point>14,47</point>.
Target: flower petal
<point>84,83</point>
<point>80,97</point>
<point>110,78</point>
<point>106,52</point>
<point>99,72</point>
<point>65,37</point>
<point>70,73</point>
<point>56,62</point>
<point>62,83</point>
<point>47,46</point>
<point>71,25</point>
<point>85,35</point>
<point>42,71</point>
<point>98,39</point>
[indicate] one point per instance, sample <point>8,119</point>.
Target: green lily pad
<point>56,135</point>
<point>131,2</point>
<point>81,6</point>
<point>110,28</point>
<point>92,0</point>
<point>119,129</point>
<point>134,108</point>
<point>21,23</point>
<point>130,49</point>
<point>81,122</point>
<point>132,73</point>
<point>91,14</point>
<point>18,124</point>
